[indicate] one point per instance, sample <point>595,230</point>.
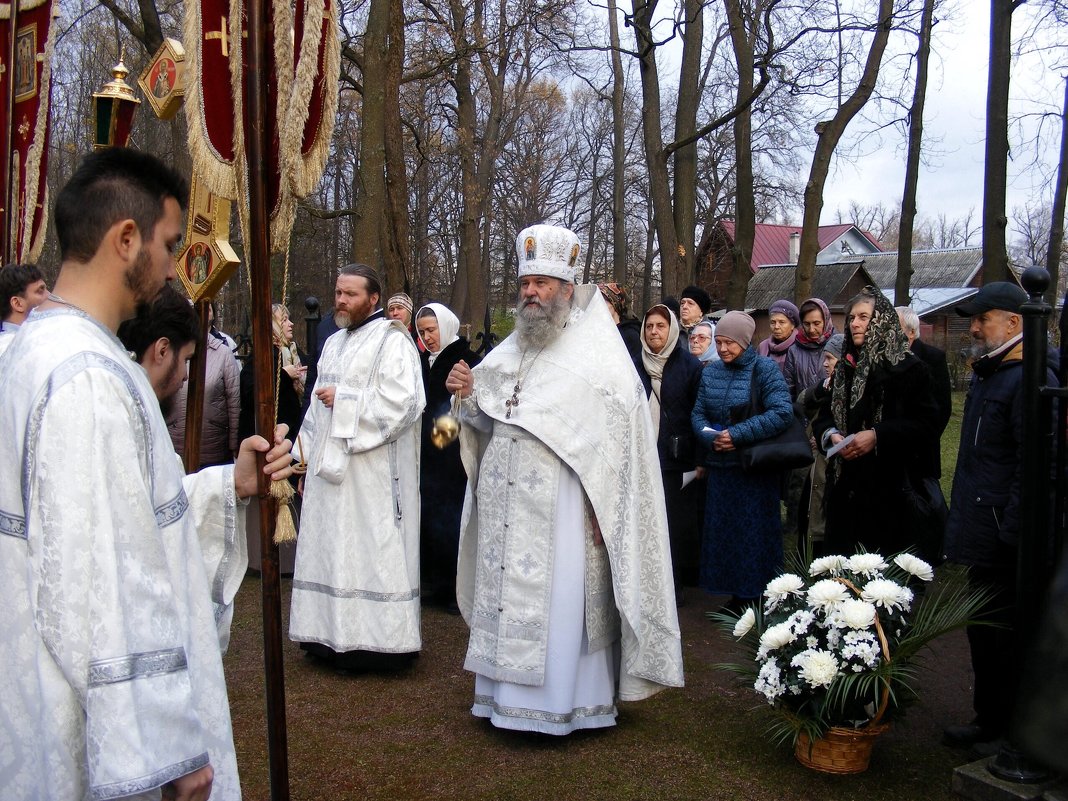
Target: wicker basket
<point>841,750</point>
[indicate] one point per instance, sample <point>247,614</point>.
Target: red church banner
<point>29,80</point>
<point>301,99</point>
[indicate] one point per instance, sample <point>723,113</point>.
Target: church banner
<point>210,102</point>
<point>313,102</point>
<point>301,100</point>
<point>30,82</point>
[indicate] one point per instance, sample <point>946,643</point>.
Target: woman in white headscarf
<point>442,478</point>
<point>671,376</point>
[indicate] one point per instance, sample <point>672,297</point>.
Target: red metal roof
<point>771,244</point>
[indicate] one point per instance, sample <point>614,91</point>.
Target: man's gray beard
<point>341,319</point>
<point>981,347</point>
<point>537,326</point>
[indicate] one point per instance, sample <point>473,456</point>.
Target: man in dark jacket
<point>983,527</point>
<point>935,359</point>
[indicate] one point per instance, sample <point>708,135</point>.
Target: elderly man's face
<point>537,293</point>
<point>689,312</point>
<point>992,329</point>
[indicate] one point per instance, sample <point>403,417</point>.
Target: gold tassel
<point>285,530</point>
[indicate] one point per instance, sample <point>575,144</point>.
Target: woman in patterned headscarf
<point>881,397</point>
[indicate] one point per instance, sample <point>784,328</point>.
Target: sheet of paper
<point>687,477</point>
<point>835,448</point>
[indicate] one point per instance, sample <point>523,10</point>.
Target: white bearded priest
<point>356,579</point>
<point>565,572</point>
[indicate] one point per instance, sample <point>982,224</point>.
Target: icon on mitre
<point>163,80</point>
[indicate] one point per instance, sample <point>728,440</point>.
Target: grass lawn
<point>412,736</point>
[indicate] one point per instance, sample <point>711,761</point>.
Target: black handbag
<point>926,513</point>
<point>786,451</point>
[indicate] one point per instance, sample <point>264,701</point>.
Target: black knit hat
<point>698,296</point>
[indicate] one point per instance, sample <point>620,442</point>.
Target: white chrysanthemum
<point>861,646</point>
<point>800,620</point>
<point>914,566</point>
<point>857,614</point>
<point>833,638</point>
<point>769,681</point>
<point>782,586</point>
<point>827,594</point>
<point>867,564</point>
<point>887,594</point>
<point>745,623</point>
<point>833,564</point>
<point>818,668</point>
<point>775,637</point>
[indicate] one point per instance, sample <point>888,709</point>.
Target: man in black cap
<point>983,526</point>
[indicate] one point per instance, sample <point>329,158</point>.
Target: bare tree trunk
<point>468,265</point>
<point>371,204</point>
<point>659,183</point>
<point>744,198</point>
<point>684,196</point>
<point>1056,228</point>
<point>396,242</point>
<point>829,133</point>
<point>995,252</point>
<point>912,161</point>
<point>619,174</point>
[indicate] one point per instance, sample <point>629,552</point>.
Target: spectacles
<point>700,338</point>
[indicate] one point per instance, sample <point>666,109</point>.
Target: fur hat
<point>738,326</point>
<point>548,250</point>
<point>698,296</point>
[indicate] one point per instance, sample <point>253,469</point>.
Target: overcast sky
<point>952,181</point>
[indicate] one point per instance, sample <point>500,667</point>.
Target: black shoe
<point>967,735</point>
<point>989,748</point>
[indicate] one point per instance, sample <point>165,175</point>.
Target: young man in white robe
<point>356,578</point>
<point>111,675</point>
<point>564,574</point>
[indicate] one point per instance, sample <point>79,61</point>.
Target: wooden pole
<point>258,137</point>
<point>194,393</point>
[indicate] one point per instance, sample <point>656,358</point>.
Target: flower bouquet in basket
<point>833,649</point>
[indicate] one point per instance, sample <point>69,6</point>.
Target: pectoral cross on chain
<point>512,401</point>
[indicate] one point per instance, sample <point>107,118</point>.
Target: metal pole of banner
<point>194,393</point>
<point>258,135</point>
<point>311,329</point>
<point>7,245</point>
<point>1032,567</point>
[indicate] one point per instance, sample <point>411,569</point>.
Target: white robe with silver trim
<point>356,578</point>
<point>581,406</point>
<point>111,677</point>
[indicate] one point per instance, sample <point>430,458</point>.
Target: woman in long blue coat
<point>741,549</point>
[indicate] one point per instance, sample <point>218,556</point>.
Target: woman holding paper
<point>741,550</point>
<point>875,427</point>
<point>671,376</point>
